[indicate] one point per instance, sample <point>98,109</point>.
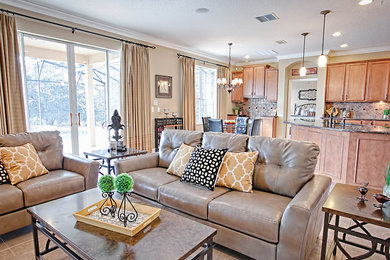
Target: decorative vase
<point>386,191</point>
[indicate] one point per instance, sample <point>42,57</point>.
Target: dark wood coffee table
<point>106,155</point>
<point>343,202</point>
<point>168,237</point>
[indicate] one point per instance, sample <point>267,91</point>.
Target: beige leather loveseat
<point>67,175</point>
<point>281,219</point>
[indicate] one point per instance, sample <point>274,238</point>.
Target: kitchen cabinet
<point>377,88</point>
<point>268,126</point>
<point>335,83</point>
<point>238,94</point>
<point>355,81</point>
<point>271,84</point>
<point>248,82</point>
<point>260,82</point>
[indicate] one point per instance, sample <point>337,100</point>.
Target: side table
<point>343,202</point>
<point>106,155</point>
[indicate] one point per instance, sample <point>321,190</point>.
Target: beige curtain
<point>187,67</point>
<point>136,102</point>
<point>223,96</point>
<point>12,116</point>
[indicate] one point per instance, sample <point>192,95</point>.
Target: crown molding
<point>257,62</point>
<point>359,51</point>
<point>122,31</point>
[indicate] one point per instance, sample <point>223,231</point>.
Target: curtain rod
<point>75,28</point>
<point>204,61</point>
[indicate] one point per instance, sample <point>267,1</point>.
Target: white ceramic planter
<point>386,191</point>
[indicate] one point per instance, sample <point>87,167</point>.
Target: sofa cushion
<point>232,142</point>
<point>48,144</point>
<point>257,214</point>
<point>171,140</point>
<point>11,198</point>
<point>22,163</point>
<point>180,161</point>
<point>147,181</point>
<point>54,185</point>
<point>283,166</point>
<point>4,178</point>
<point>203,167</point>
<point>188,198</point>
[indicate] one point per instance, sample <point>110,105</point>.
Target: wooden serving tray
<point>82,216</point>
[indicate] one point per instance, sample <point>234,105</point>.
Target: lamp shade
<point>302,71</point>
<point>322,61</point>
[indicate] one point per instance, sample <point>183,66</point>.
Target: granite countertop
<point>358,119</point>
<point>338,127</point>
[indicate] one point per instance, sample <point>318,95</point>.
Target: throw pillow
<point>237,171</point>
<point>180,161</point>
<point>22,162</point>
<point>203,166</point>
<point>3,174</point>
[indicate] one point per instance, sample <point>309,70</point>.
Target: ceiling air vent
<point>267,18</point>
<point>281,42</point>
<point>267,52</point>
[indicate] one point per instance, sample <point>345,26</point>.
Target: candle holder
<point>111,208</point>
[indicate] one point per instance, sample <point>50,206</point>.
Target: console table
<point>343,202</point>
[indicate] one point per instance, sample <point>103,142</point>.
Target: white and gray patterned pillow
<point>203,166</point>
<point>4,178</point>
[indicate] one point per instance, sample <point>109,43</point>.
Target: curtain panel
<point>223,96</point>
<point>187,71</point>
<point>12,111</point>
<point>136,104</point>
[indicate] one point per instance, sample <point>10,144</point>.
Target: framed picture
<point>309,71</point>
<point>163,86</point>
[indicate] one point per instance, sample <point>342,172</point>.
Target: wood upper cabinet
<point>355,81</point>
<point>335,83</point>
<point>238,93</point>
<point>248,82</point>
<point>258,82</point>
<point>378,81</point>
<point>271,84</point>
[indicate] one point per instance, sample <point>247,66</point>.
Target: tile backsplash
<point>257,107</point>
<point>363,110</point>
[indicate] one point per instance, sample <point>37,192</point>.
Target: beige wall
<point>163,61</point>
<point>357,57</point>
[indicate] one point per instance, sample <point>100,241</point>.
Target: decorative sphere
<point>106,183</point>
<point>123,183</point>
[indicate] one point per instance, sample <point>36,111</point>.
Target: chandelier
<point>229,85</point>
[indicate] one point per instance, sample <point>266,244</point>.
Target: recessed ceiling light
<point>344,45</point>
<point>336,34</point>
<point>202,10</point>
<point>247,57</point>
<point>365,2</point>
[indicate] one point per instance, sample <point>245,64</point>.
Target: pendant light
<point>302,70</point>
<point>323,59</point>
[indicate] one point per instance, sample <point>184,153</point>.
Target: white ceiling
<point>175,23</point>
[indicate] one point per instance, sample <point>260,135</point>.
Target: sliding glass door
<point>70,88</point>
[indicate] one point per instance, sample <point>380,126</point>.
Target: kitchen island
<point>352,154</point>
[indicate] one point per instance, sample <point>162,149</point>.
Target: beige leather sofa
<point>67,175</point>
<point>281,219</point>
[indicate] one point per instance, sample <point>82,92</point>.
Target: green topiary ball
<point>106,183</point>
<point>123,183</point>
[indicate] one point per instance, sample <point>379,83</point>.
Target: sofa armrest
<point>88,168</point>
<point>135,163</point>
<point>302,220</point>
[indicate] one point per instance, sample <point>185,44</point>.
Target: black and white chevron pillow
<point>4,178</point>
<point>203,166</point>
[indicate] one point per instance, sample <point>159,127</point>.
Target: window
<point>205,92</point>
<point>70,88</point>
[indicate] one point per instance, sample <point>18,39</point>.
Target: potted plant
<point>106,185</point>
<point>236,110</point>
<point>386,188</point>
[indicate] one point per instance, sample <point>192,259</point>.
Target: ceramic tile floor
<point>19,245</point>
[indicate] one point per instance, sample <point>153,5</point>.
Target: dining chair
<point>255,127</point>
<point>241,125</point>
<point>215,125</point>
<point>206,125</point>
